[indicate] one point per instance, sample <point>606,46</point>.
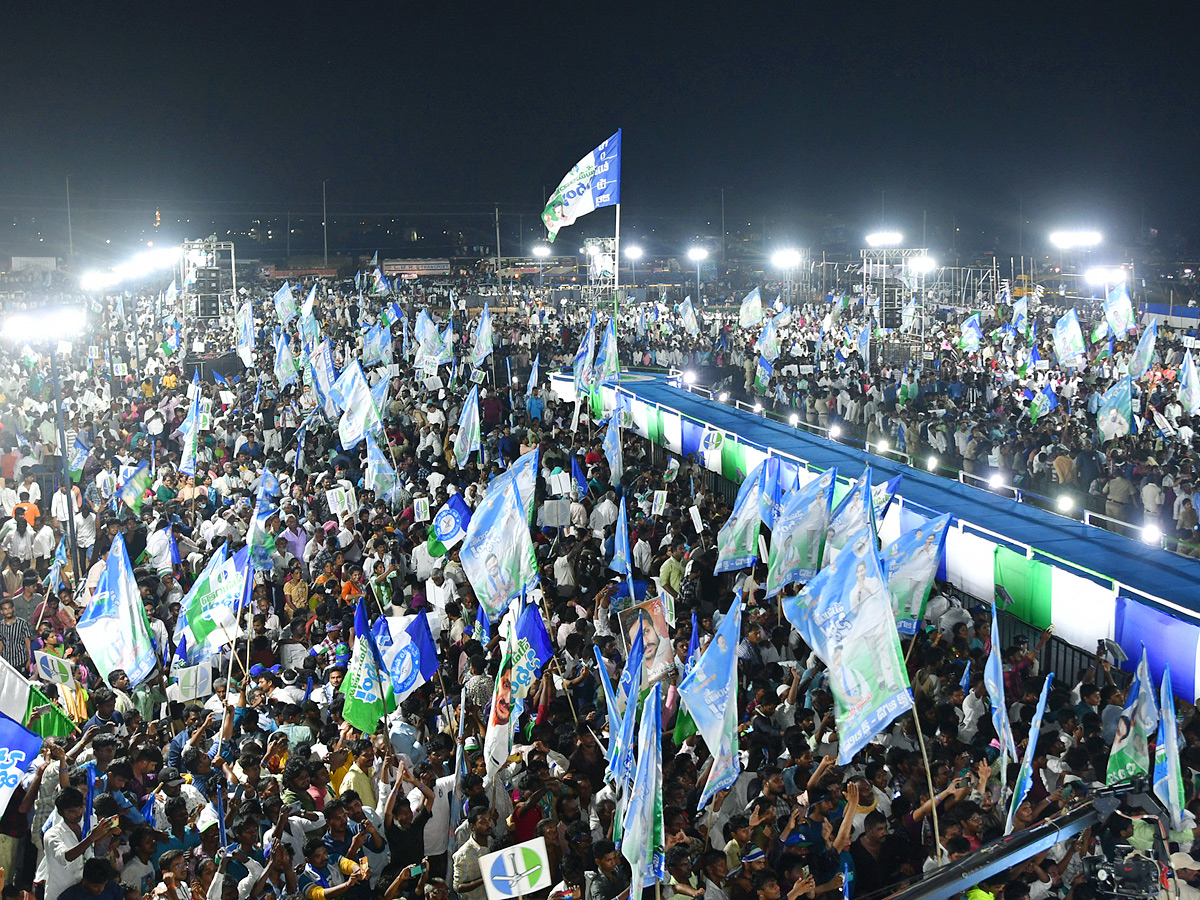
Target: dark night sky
<point>1083,113</point>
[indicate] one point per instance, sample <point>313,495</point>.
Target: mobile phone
<point>416,870</point>
<point>241,789</point>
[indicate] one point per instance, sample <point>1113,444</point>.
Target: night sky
<point>1082,114</point>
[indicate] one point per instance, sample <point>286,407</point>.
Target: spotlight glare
<point>1065,503</point>
<point>793,420</point>
<point>1152,534</point>
<point>931,463</point>
<point>723,397</point>
<point>995,481</point>
<point>883,446</point>
<point>835,432</point>
<point>689,377</point>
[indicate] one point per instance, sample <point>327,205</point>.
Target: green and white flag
<point>194,682</point>
<point>482,348</point>
<point>363,686</point>
<point>593,182</point>
<point>1130,755</point>
<point>210,603</point>
<point>737,541</point>
<point>51,668</point>
<point>133,490</point>
<point>468,439</point>
<point>497,552</point>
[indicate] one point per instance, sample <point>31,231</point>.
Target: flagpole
<point>937,840</point>
<point>617,263</point>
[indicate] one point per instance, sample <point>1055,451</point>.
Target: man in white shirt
<point>66,848</point>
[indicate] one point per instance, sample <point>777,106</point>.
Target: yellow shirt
<point>360,782</point>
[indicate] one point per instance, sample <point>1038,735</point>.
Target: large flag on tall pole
<point>497,552</point>
<point>363,686</point>
<point>608,363</point>
<point>594,182</point>
<point>795,553</point>
<point>1130,754</point>
<point>709,694</point>
<point>993,679</point>
<point>911,563</point>
<point>113,627</point>
<point>467,440</point>
<point>1025,771</point>
<point>845,615</point>
<point>1143,354</point>
<point>1168,776</point>
<point>642,827</point>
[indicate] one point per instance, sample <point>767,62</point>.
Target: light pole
<point>62,324</point>
<point>70,232</point>
<point>325,221</point>
<point>698,255</point>
<point>1074,240</point>
<point>634,252</point>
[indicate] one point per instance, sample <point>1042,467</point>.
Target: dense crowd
<point>260,787</point>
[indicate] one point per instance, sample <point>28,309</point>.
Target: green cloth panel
<point>733,460</point>
<point>1028,582</point>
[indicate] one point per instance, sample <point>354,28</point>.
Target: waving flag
<point>1068,340</point>
<point>972,334</point>
<point>408,655</point>
<point>531,652</point>
<point>750,313</point>
<point>642,826</point>
<point>863,345</point>
<point>1025,772</point>
<point>1118,311</point>
<point>482,631</point>
<point>196,619</point>
<point>468,439</point>
<point>285,361</point>
<point>709,694</point>
<point>608,363</point>
<point>1130,754</point>
<point>449,525</point>
<point>113,627</point>
<point>1115,417</point>
<point>20,753</point>
<point>497,553</point>
<point>613,452</point>
<point>380,477</point>
<point>911,563</point>
<point>621,561</point>
<point>622,716</point>
<point>762,375</point>
<point>190,436</point>
<point>245,334</point>
<point>359,416</point>
<point>737,541</point>
<point>594,182</point>
<point>363,685</point>
<point>498,736</point>
<point>1189,385</point>
<point>687,317</point>
<point>855,512</point>
<point>1168,775</point>
<point>133,490</point>
<point>1042,403</point>
<point>79,456</point>
<point>481,349</point>
<point>320,361</point>
<point>768,342</point>
<point>533,376</point>
<point>795,553</point>
<point>582,364</point>
<point>993,679</point>
<point>285,303</point>
<point>1020,315</point>
<point>845,614</point>
<point>1143,354</point>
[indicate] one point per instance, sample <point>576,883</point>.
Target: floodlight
<point>786,259</point>
<point>723,397</point>
<point>793,420</point>
<point>689,377</point>
<point>931,463</point>
<point>883,446</point>
<point>758,407</point>
<point>1105,275</point>
<point>1068,240</point>
<point>835,432</point>
<point>633,252</point>
<point>995,482</point>
<point>541,251</point>
<point>885,238</point>
<point>921,265</point>
<point>696,254</point>
<point>1065,503</point>
<point>1152,534</point>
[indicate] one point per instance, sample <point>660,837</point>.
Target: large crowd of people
<point>258,785</point>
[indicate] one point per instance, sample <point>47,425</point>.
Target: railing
<point>1065,505</point>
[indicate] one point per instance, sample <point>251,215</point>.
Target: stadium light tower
<point>541,251</point>
<point>698,255</point>
<point>884,239</point>
<point>634,252</point>
<point>787,260</point>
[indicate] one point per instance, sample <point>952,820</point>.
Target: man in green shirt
<point>671,573</point>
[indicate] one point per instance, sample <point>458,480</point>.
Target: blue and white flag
<point>1118,311</point>
<point>450,523</point>
<point>1042,403</point>
<point>245,334</point>
<point>622,558</point>
<point>1115,417</point>
<point>190,436</point>
<point>750,313</point>
<point>285,303</point>
<point>795,553</point>
<point>621,730</point>
<point>642,826</point>
<point>1168,774</point>
<point>768,342</point>
<point>709,694</point>
<point>285,361</point>
<point>533,376</point>
<point>578,477</point>
<point>409,655</point>
<point>911,563</point>
<point>582,364</point>
<point>19,749</point>
<point>352,395</point>
<point>594,182</point>
<point>845,614</point>
<point>737,541</point>
<point>1020,315</point>
<point>481,349</point>
<point>320,361</point>
<point>306,309</point>
<point>113,627</point>
<point>482,631</point>
<point>863,345</point>
<point>687,318</point>
<point>467,441</point>
<point>380,476</point>
<point>1189,385</point>
<point>608,363</point>
<point>770,492</point>
<point>993,679</point>
<point>1068,341</point>
<point>1025,772</point>
<point>497,553</point>
<point>972,334</point>
<point>1130,753</point>
<point>852,515</point>
<point>613,452</point>
<point>1143,354</point>
<point>532,651</point>
<point>446,357</point>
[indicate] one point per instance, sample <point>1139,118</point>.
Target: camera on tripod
<point>1135,877</point>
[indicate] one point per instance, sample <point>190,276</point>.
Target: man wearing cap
<point>1185,869</point>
